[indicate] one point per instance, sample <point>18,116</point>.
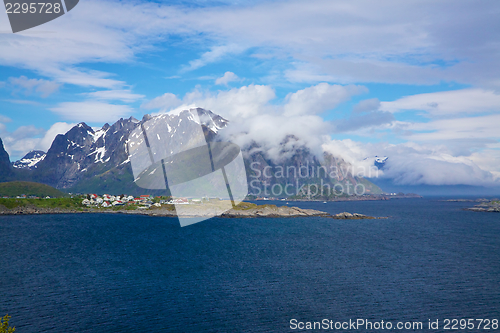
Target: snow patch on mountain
<point>378,161</point>
<point>30,160</point>
<point>99,154</point>
<point>209,119</point>
<point>97,134</point>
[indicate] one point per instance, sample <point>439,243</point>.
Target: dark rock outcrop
<point>273,211</point>
<point>6,172</point>
<point>349,216</point>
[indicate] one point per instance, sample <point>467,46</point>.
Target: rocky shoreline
<point>366,197</point>
<point>490,206</point>
<point>252,212</point>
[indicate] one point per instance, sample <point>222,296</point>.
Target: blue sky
<point>417,81</point>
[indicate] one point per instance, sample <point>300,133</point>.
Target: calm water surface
<point>119,273</point>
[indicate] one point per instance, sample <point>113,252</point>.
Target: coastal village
<point>145,201</point>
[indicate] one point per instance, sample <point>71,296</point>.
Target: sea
<point>429,262</point>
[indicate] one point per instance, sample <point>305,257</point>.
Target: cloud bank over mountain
<point>256,118</point>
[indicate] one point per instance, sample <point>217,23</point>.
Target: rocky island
<point>491,206</point>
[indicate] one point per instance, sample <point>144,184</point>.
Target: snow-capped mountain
<point>30,160</point>
<point>84,153</point>
<point>86,159</point>
<point>380,161</point>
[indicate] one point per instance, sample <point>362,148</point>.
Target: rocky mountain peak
<point>146,117</point>
<point>30,160</point>
<point>5,167</point>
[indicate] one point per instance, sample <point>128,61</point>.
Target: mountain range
<point>86,160</point>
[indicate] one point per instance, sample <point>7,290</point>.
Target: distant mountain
<point>30,160</point>
<point>380,161</point>
<point>377,161</point>
<point>86,160</point>
<point>83,153</point>
<point>301,168</point>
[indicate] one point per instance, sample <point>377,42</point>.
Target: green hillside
<point>13,189</point>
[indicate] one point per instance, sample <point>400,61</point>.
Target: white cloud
<point>5,119</point>
<point>436,170</point>
<point>359,41</point>
<point>27,138</point>
<point>215,54</point>
<point>488,159</point>
<point>366,105</point>
<point>18,148</point>
<point>91,111</point>
<point>270,131</point>
<point>364,41</point>
<point>374,119</point>
<point>43,87</point>
<point>255,117</point>
<point>467,128</point>
<point>49,136</point>
<point>96,31</point>
<point>244,102</point>
<point>467,101</point>
<point>359,68</point>
<point>413,164</point>
<point>354,153</point>
<point>226,78</point>
<point>124,95</point>
<point>83,77</point>
<point>163,102</point>
<point>319,98</point>
<point>22,101</point>
<point>24,132</point>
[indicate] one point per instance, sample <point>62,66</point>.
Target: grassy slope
<point>16,188</point>
<point>67,203</point>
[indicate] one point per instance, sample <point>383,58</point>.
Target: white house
<point>180,201</point>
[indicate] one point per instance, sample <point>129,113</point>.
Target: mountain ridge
<point>85,160</point>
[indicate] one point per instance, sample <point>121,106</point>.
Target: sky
<point>416,81</point>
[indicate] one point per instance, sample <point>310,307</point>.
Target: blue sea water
<point>122,273</point>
